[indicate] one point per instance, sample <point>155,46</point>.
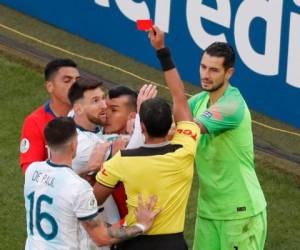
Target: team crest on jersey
<point>24,145</point>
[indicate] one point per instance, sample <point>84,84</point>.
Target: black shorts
<point>155,242</point>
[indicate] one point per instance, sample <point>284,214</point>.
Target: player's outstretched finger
<point>140,201</point>
<point>142,90</point>
<point>155,29</point>
<point>148,89</point>
<point>153,92</point>
<point>156,212</point>
<point>151,202</point>
<point>151,34</point>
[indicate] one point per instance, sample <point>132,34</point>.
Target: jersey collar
<point>57,165</point>
<point>96,131</point>
<point>48,109</point>
<point>156,145</point>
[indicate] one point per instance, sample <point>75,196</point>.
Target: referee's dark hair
<point>156,115</point>
<point>77,90</point>
<point>59,131</point>
<point>221,49</point>
<point>53,66</point>
<point>120,91</point>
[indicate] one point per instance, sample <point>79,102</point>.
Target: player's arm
<point>203,129</point>
<point>224,115</point>
<point>107,178</point>
<point>148,91</point>
<point>103,233</point>
<point>180,106</point>
<point>101,192</point>
<point>96,158</point>
<point>32,145</point>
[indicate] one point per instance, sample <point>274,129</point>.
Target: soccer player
<point>57,199</point>
<point>158,167</point>
<point>231,205</point>
<point>60,74</point>
<point>89,106</point>
<point>121,107</point>
<point>122,104</point>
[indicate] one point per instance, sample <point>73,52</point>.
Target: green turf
<point>22,90</point>
<point>21,85</point>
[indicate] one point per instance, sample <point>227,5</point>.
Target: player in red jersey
<point>60,74</point>
<point>122,105</point>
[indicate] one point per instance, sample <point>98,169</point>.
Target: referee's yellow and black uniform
<point>165,170</point>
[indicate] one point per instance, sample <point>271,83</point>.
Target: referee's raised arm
<point>180,105</point>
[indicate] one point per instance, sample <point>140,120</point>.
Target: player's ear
<point>229,73</point>
<point>143,127</point>
<point>49,87</point>
<point>78,109</point>
<point>144,131</point>
<point>131,115</point>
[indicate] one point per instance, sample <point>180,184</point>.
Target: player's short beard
<point>95,120</point>
<point>215,88</point>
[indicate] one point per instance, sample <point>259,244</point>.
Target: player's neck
<point>59,108</point>
<point>214,96</point>
<point>84,123</point>
<point>155,140</point>
<point>61,159</point>
<point>122,131</point>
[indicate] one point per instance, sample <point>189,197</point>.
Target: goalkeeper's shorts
<point>241,234</point>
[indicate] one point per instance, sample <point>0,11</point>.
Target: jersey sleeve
<point>110,173</point>
<point>195,100</point>
<point>32,145</point>
<point>187,134</point>
<point>192,103</point>
<point>85,206</point>
<point>83,152</point>
<point>224,115</point>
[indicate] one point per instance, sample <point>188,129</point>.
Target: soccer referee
<point>159,167</point>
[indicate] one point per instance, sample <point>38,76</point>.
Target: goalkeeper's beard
<point>214,88</point>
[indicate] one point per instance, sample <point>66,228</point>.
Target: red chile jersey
<point>32,145</point>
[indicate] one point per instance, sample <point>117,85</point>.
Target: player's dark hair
<point>156,115</point>
<point>221,49</point>
<point>53,66</point>
<point>120,91</point>
<point>59,131</point>
<point>77,90</point>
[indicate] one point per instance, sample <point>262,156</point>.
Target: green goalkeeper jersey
<point>229,188</point>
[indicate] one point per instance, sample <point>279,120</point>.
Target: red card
<point>144,24</point>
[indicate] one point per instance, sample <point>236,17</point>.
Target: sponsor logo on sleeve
<point>187,132</point>
<point>207,114</point>
<point>92,202</point>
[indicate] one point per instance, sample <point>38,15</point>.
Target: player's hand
<point>157,38</point>
<point>148,91</point>
<point>145,213</point>
<point>97,156</point>
<point>119,144</point>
